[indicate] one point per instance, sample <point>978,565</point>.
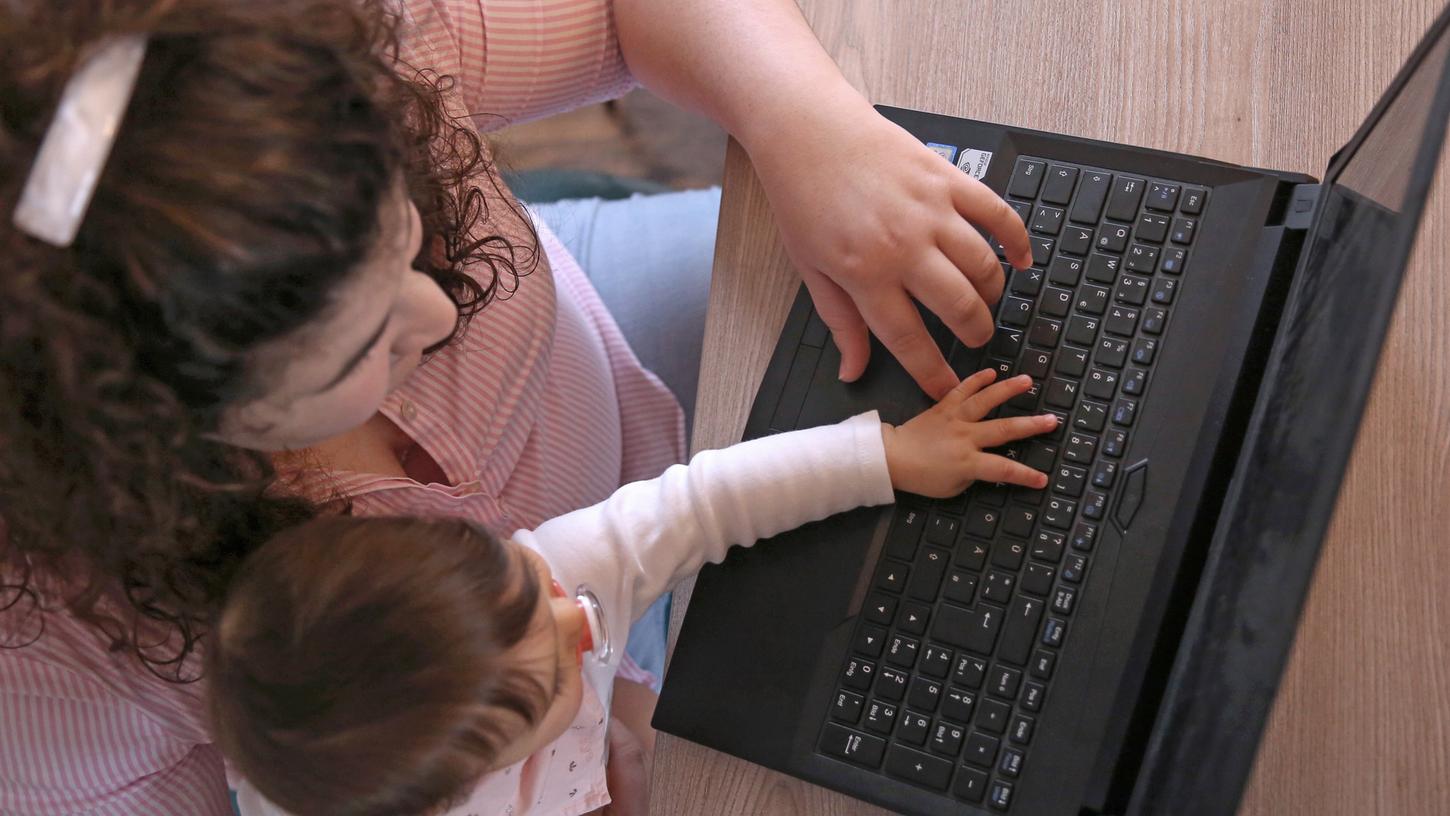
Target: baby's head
<point>379,666</point>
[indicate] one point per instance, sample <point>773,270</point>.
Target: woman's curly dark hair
<point>245,185</point>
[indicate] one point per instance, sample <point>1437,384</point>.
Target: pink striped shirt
<point>540,409</point>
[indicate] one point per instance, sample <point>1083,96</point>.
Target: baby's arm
<point>650,534</point>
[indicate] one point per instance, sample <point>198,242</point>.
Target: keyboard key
<point>1151,228</point>
<point>1124,198</point>
<point>1081,330</point>
<point>1065,271</point>
<point>1122,321</point>
<point>1094,505</point>
<point>969,671</point>
<point>1001,796</point>
<point>971,785</point>
<point>1154,320</point>
<point>1026,178</point>
<point>1111,352</point>
<point>941,529</point>
<point>1173,260</point>
<point>1040,456</point>
<point>891,684</point>
<point>946,739</point>
<point>905,533</point>
<point>1131,290</point>
<point>892,577</point>
<point>1192,203</point>
<point>1143,350</point>
<point>1022,620</point>
<point>880,609</point>
<point>1027,400</point>
<point>1091,416</point>
<point>999,586</point>
<point>1069,480</point>
<point>1018,519</point>
<point>971,629</point>
<point>1006,342</point>
<point>1010,765</point>
<point>914,728</point>
<point>1043,663</point>
<point>1044,333</point>
<point>1023,210</point>
<point>1073,568</point>
<point>961,587</point>
<point>1056,302</point>
<point>1064,599</point>
<point>1058,513</point>
<point>1163,291</point>
<point>1060,181</point>
<point>992,716</point>
<point>870,640</point>
<point>1103,268</point>
<point>1080,446</point>
<point>1007,553</point>
<point>847,707</point>
<point>981,749</point>
<point>1015,311</point>
<point>1075,240</point>
<point>972,554</point>
<point>957,705</point>
<point>1087,208</point>
<point>1047,546</point>
<point>1061,393</point>
<point>1142,259</point>
<point>858,674</point>
<point>1102,384</point>
<point>880,717</point>
<point>1046,220</point>
<point>926,576</point>
<point>912,619</point>
<point>1162,197</point>
<point>1027,282</point>
<point>1041,249</point>
<point>1183,229</point>
<point>1037,364</point>
<point>901,651</point>
<point>1032,696</point>
<point>1104,472</point>
<point>1124,411</point>
<point>1093,300</point>
<point>918,768</point>
<point>862,749</point>
<point>1112,237</point>
<point>925,693</point>
<point>1021,730</point>
<point>1053,632</point>
<point>1004,681</point>
<point>1072,362</point>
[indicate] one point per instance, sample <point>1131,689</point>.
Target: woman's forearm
<point>751,65</point>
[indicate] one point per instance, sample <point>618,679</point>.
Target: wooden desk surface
<point>1362,722</point>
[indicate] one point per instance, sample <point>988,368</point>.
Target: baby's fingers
<point>970,387</point>
<point>999,432</point>
<point>984,400</point>
<point>990,467</point>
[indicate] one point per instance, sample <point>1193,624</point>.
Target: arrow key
<point>880,609</point>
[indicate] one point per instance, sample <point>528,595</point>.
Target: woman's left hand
<point>872,218</point>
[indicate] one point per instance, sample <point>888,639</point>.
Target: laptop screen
<point>1300,436</point>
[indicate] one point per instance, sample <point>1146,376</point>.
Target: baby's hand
<point>943,450</point>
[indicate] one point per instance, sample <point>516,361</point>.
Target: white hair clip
<point>79,139</point>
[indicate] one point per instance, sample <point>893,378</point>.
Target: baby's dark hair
<point>356,666</point>
<point>244,188</point>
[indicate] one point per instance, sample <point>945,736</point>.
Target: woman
<point>287,221</point>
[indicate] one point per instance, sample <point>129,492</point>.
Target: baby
<point>408,666</point>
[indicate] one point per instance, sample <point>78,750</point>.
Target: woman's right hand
<point>940,452</point>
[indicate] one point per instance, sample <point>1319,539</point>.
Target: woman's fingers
<point>975,202</point>
<point>994,468</point>
<point>998,432</point>
<point>985,400</point>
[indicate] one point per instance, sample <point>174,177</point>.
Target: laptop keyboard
<point>952,660</point>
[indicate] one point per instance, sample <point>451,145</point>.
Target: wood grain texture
<point>1362,722</point>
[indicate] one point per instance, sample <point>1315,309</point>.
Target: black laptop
<point>1111,644</point>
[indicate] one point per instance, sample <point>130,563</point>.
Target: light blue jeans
<point>649,256</point>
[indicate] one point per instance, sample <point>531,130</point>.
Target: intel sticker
<point>946,151</point>
<point>974,162</point>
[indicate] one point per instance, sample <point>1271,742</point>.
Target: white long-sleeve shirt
<point>634,546</point>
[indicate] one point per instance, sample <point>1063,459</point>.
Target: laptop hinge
<point>1303,202</point>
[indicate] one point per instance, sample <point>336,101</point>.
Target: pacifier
<point>595,638</point>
